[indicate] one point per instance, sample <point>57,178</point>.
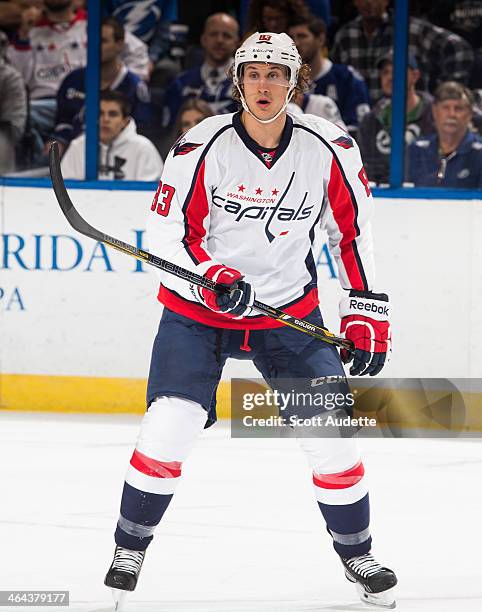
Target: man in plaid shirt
<point>441,54</point>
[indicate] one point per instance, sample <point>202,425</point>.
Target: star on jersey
<point>241,187</point>
<point>274,191</point>
<point>259,191</point>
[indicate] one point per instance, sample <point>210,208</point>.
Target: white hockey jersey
<point>54,51</point>
<point>224,199</point>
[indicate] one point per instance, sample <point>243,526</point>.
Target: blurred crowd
<point>164,67</point>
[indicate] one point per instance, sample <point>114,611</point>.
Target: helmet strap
<point>289,95</point>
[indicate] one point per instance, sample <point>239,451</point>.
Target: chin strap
<point>289,95</point>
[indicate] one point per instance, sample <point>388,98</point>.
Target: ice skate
<point>124,573</point>
<point>374,583</point>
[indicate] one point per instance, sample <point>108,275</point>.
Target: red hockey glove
<point>237,303</point>
<point>365,320</point>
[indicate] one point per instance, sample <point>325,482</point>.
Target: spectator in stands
<point>374,135</point>
<point>13,109</point>
<point>10,16</point>
<point>31,12</point>
<point>274,15</point>
<point>465,19</point>
<point>113,75</point>
<point>57,45</point>
<point>135,54</point>
<point>441,54</point>
<point>209,82</point>
<point>452,157</point>
<point>340,83</point>
<point>318,105</point>
<point>123,154</point>
<point>192,112</point>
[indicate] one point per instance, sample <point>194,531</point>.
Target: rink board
<point>127,396</point>
<point>78,320</point>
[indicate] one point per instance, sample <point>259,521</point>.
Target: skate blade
<point>386,599</point>
<point>119,596</point>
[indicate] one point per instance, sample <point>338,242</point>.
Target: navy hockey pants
<point>188,357</point>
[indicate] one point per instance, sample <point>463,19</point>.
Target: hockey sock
<point>168,432</point>
<point>347,515</point>
<point>142,510</point>
<point>341,492</point>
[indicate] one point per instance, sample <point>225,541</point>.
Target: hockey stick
<point>81,225</point>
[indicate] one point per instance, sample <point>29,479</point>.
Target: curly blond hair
<point>302,83</point>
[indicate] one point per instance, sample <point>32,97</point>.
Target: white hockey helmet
<point>270,48</point>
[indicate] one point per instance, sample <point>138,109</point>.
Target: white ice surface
<point>243,533</point>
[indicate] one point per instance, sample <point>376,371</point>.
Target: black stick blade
<point>63,198</point>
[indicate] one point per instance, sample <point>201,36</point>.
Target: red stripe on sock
<point>152,467</point>
<point>340,480</point>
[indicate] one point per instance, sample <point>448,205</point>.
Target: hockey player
<point>239,200</point>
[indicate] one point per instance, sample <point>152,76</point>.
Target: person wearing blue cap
<point>374,136</point>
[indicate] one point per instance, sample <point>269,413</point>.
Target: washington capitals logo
<point>183,148</point>
<point>343,141</point>
<point>264,207</point>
